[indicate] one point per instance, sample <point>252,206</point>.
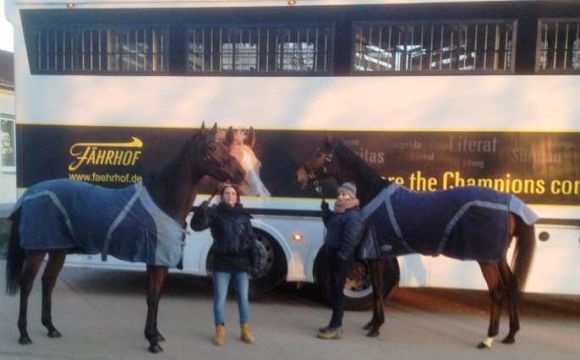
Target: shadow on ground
<point>403,299</point>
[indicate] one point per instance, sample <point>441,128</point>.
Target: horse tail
<point>15,257</point>
<point>524,251</point>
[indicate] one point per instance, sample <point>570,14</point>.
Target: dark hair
<point>226,186</point>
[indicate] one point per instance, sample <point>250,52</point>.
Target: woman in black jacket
<point>233,245</point>
<point>344,228</point>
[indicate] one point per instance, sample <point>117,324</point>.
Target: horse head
<point>217,161</point>
<point>335,160</point>
<point>240,137</point>
<point>240,143</point>
<point>320,165</point>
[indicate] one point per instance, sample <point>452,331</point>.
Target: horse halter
<point>210,160</point>
<point>314,175</point>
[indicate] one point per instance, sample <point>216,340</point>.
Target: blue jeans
<point>221,281</point>
<point>339,270</point>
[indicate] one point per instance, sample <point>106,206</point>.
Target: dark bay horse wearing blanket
<point>468,223</point>
<point>144,222</point>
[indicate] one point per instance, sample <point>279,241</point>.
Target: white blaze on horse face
<point>252,165</point>
<point>252,184</point>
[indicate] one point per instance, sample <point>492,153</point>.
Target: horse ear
<point>230,136</point>
<point>213,131</point>
<point>251,139</point>
<point>202,128</point>
<point>329,140</point>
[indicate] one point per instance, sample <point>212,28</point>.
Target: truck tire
<point>273,263</point>
<point>358,290</point>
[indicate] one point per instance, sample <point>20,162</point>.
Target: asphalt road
<point>101,314</point>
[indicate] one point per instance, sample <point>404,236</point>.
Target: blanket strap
<point>118,220</point>
<point>58,204</point>
<point>455,219</point>
<point>396,226</point>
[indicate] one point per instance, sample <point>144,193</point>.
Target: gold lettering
<point>118,158</point>
<point>136,157</point>
<point>91,159</point>
<point>118,154</point>
<point>127,158</point>
<point>447,179</point>
<point>100,158</point>
<point>81,157</point>
<point>109,158</point>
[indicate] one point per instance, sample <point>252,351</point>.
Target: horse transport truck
<point>433,94</point>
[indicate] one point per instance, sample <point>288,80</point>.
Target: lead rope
<point>316,184</point>
<point>209,201</point>
<point>213,194</point>
<point>313,178</point>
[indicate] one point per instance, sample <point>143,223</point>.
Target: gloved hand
<point>204,205</point>
<point>254,273</point>
<point>324,206</point>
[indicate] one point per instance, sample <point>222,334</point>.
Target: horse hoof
<point>155,348</point>
<point>509,340</point>
<point>373,333</point>
<point>53,334</point>
<point>483,345</point>
<point>24,340</point>
<point>368,326</point>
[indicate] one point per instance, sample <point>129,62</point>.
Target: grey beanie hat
<point>349,188</point>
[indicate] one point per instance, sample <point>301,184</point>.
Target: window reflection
<point>385,47</point>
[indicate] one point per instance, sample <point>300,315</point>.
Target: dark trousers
<point>339,269</point>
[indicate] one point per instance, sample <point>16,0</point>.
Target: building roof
<point>6,70</point>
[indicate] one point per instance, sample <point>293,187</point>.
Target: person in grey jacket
<point>344,231</point>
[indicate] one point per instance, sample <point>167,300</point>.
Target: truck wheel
<point>358,290</point>
<point>273,264</point>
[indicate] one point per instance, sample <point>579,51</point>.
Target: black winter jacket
<point>233,237</point>
<point>343,231</point>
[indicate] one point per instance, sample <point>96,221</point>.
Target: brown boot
<point>247,335</point>
<point>330,334</point>
<point>220,335</point>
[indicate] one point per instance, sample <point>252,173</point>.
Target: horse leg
<point>377,275</point>
<point>511,287</point>
<point>370,324</point>
<point>492,278</point>
<point>155,279</point>
<point>161,282</point>
<point>53,268</point>
<point>29,270</point>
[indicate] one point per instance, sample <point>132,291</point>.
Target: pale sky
<point>6,34</point>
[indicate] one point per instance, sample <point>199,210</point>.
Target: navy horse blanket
<point>84,218</point>
<point>467,223</point>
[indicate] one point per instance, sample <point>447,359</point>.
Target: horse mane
<point>167,173</point>
<point>165,183</point>
<point>369,182</point>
